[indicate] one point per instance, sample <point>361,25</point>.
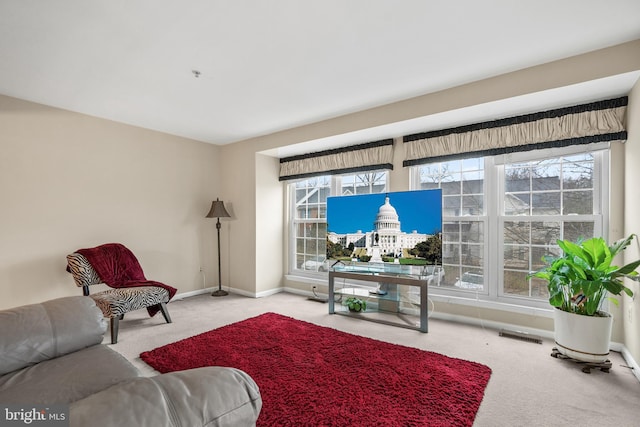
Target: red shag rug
<point>311,375</point>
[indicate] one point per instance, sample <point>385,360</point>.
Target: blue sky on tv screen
<point>417,210</point>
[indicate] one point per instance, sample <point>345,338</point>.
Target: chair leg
<point>165,312</point>
<point>115,322</point>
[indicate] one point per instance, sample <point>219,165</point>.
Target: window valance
<point>581,124</point>
<point>356,158</point>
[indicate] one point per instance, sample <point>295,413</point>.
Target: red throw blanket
<point>118,267</point>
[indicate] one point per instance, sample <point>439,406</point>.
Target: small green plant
<point>578,281</point>
<point>355,304</point>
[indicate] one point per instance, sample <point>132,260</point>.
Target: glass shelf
<point>386,268</point>
<point>383,288</point>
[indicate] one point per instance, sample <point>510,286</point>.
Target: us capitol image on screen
<point>386,238</point>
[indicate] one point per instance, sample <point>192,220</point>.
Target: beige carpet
<point>527,388</point>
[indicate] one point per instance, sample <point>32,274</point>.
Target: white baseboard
<point>297,292</point>
<point>633,365</point>
<point>490,324</point>
<point>244,293</point>
<point>184,295</point>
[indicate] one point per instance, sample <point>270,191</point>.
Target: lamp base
<point>219,293</point>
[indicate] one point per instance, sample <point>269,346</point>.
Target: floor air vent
<point>522,336</point>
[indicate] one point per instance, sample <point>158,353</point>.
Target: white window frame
<point>335,190</point>
<point>493,221</point>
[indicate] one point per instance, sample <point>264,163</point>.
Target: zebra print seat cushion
<point>116,301</point>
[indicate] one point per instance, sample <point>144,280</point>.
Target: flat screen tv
<point>400,227</point>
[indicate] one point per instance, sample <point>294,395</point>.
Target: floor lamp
<point>218,211</point>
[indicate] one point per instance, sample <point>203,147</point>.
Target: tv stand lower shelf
<point>381,307</point>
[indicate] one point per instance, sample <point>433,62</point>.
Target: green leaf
<point>621,245</point>
<point>556,300</point>
<point>598,251</point>
<point>571,248</point>
<point>629,268</point>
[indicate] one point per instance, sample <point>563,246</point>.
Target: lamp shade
<point>217,210</point>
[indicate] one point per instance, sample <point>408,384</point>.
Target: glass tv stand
<point>391,291</point>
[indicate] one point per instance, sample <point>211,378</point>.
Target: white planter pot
<point>584,338</point>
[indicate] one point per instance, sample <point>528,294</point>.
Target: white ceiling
<point>270,65</point>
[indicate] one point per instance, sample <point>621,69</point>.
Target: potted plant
<point>355,304</point>
<point>579,281</point>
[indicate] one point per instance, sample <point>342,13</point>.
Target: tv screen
<point>401,227</point>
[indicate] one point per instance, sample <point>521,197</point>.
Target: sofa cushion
<point>68,378</point>
<point>209,396</point>
<point>38,332</point>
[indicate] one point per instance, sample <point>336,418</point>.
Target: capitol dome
<point>387,218</point>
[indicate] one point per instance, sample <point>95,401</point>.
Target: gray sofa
<point>51,353</point>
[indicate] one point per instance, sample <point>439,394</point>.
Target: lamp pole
<point>218,211</point>
<point>219,292</point>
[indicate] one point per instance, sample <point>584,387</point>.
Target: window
<point>502,214</point>
<point>463,217</point>
<point>309,209</point>
<point>544,200</point>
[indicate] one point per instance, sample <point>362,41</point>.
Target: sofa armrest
<point>210,396</point>
<point>37,332</point>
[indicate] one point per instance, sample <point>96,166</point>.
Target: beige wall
<point>630,312</point>
<point>616,223</point>
<point>598,64</point>
<point>270,235</point>
<point>238,190</point>
<point>69,181</point>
